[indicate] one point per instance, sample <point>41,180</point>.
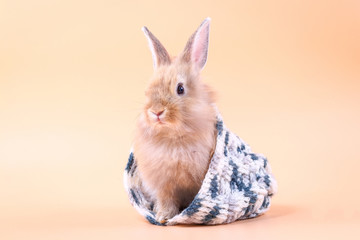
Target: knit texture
<point>238,185</point>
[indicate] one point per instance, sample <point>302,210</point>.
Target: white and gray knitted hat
<point>238,185</point>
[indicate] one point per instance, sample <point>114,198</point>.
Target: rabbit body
<point>175,134</point>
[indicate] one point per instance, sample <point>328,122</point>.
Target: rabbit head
<point>177,101</point>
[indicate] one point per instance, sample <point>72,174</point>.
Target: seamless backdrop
<point>72,80</point>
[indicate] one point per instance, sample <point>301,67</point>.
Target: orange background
<point>72,78</point>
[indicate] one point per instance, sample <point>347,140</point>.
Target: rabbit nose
<point>158,113</point>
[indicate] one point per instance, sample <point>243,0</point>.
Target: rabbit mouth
<point>159,122</point>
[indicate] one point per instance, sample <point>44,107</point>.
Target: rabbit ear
<point>159,54</point>
<point>196,49</point>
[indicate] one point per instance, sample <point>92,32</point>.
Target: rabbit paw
<point>163,214</point>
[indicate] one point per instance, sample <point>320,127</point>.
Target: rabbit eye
<point>180,89</point>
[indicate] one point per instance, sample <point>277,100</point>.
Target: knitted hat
<point>238,185</point>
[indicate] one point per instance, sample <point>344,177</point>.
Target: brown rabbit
<point>175,133</point>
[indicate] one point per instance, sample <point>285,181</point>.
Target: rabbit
<point>175,133</point>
